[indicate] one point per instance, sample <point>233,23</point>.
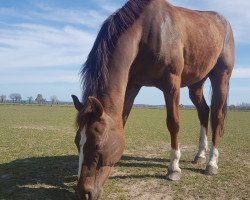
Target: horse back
<point>204,36</point>
<point>182,41</point>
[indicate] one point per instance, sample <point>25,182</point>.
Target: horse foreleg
<point>197,97</point>
<point>131,93</point>
<point>172,98</point>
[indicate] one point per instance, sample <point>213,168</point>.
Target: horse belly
<point>197,70</point>
<point>190,78</point>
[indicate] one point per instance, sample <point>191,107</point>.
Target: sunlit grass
<point>38,159</point>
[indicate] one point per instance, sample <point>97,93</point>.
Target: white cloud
<point>242,72</point>
<point>89,18</point>
<point>36,44</point>
<point>14,13</point>
<point>109,6</point>
<point>240,89</point>
<point>33,45</point>
<point>41,77</point>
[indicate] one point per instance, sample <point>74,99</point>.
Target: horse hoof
<point>199,160</point>
<point>174,176</point>
<point>211,170</point>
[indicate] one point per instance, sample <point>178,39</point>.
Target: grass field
<point>38,159</point>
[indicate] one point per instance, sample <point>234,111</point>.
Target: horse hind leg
<point>197,97</point>
<point>219,77</point>
<point>220,84</point>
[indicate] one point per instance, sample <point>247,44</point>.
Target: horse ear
<point>77,103</point>
<point>96,106</point>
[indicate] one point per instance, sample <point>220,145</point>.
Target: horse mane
<point>94,73</point>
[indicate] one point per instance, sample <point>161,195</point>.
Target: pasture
<point>38,158</point>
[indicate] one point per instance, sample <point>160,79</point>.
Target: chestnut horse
<point>150,43</point>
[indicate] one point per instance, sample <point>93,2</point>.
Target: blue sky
<point>43,44</point>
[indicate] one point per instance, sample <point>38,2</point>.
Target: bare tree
<point>30,99</point>
<point>39,99</point>
<point>2,98</point>
<point>244,106</point>
<point>54,99</point>
<point>15,97</point>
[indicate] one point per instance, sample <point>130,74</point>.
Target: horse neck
<point>119,66</point>
<point>113,100</point>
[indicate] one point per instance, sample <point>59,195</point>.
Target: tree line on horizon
<point>17,98</point>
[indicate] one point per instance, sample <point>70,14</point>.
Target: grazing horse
<point>150,43</point>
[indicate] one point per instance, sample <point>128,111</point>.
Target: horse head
<point>100,146</point>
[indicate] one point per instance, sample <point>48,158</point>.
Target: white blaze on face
<point>81,155</point>
<point>175,158</point>
<point>213,157</point>
<point>203,146</point>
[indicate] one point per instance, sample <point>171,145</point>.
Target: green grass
<point>38,159</point>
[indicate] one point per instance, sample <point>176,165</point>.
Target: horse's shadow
<point>145,162</point>
<point>55,177</point>
<point>39,178</point>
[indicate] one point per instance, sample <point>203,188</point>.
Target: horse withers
<point>150,43</point>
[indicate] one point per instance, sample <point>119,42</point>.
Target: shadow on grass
<point>201,171</point>
<point>142,162</point>
<point>134,176</point>
<point>132,161</point>
<point>55,177</point>
<point>39,178</point>
<point>129,158</point>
